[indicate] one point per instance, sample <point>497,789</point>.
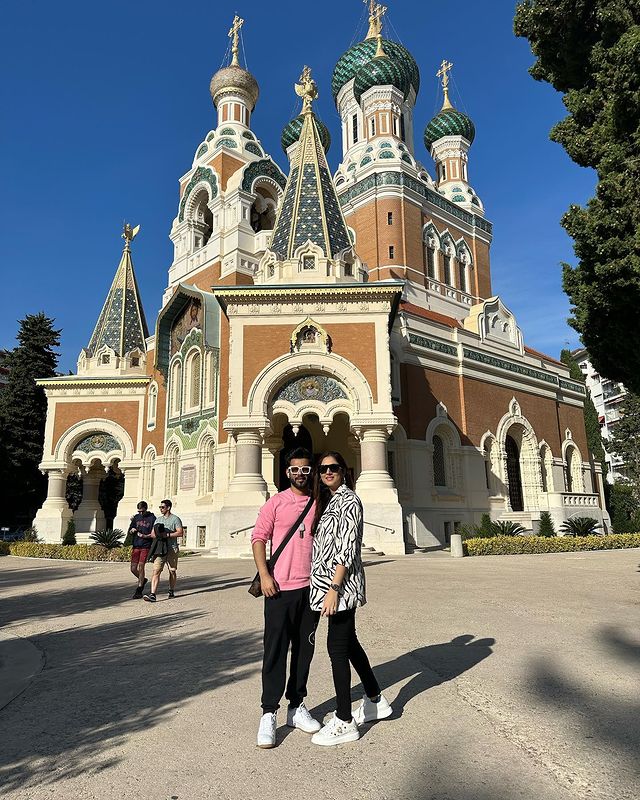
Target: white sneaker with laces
<point>336,731</point>
<point>267,731</point>
<point>368,711</point>
<point>301,718</point>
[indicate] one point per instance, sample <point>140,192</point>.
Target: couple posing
<point>319,573</point>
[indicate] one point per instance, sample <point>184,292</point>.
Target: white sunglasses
<point>303,470</point>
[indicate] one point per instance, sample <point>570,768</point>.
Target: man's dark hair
<point>297,452</point>
<point>142,505</point>
<point>166,503</point>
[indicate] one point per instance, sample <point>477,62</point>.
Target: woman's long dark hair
<point>322,493</point>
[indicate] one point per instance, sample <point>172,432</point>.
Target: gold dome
<point>234,79</point>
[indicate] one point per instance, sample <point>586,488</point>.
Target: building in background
<point>607,396</point>
<point>351,312</point>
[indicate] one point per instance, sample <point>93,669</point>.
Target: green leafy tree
<point>624,508</point>
<point>625,441</point>
<point>23,410</point>
<point>546,526</point>
<point>591,422</point>
<point>590,51</point>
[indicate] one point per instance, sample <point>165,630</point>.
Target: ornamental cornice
<point>94,383</point>
<point>300,292</point>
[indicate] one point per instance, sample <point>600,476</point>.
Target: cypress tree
<point>625,441</point>
<point>23,410</point>
<point>545,526</point>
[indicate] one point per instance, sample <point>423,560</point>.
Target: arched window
<point>514,477</point>
<point>462,275</point>
<point>202,219</point>
<point>212,375</point>
<point>148,474</point>
<point>439,468</point>
<point>195,380</point>
<point>573,470</point>
<point>152,405</point>
<point>176,388</point>
<point>171,471</point>
<point>546,468</point>
<point>448,258</point>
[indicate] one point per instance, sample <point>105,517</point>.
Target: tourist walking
<point>166,532</point>
<point>141,528</point>
<point>289,621</point>
<point>337,589</point>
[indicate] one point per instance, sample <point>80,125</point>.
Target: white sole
<point>344,739</point>
<point>265,746</point>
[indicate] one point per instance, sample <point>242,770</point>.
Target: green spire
<point>121,325</point>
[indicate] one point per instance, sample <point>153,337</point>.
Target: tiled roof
<point>351,61</point>
<point>449,122</point>
<point>121,324</point>
<point>310,209</point>
<point>434,316</point>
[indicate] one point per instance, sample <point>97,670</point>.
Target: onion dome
<point>291,133</point>
<point>234,79</point>
<point>381,71</point>
<point>449,122</point>
<point>357,56</point>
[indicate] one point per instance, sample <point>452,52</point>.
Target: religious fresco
<point>189,319</point>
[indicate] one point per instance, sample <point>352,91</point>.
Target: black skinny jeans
<point>344,648</point>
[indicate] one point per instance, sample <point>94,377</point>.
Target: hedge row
<point>517,545</point>
<point>4,548</point>
<point>70,552</point>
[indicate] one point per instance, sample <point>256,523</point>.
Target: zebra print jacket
<point>338,540</point>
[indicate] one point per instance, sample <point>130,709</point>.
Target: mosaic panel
<point>227,132</point>
<point>250,147</point>
<point>248,135</point>
<point>265,168</point>
<point>311,387</point>
<point>387,154</point>
<point>230,143</point>
<point>573,387</point>
<point>432,344</point>
<point>520,369</point>
<point>201,174</point>
<point>104,442</point>
<point>202,150</point>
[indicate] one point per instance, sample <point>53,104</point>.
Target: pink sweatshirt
<point>277,515</point>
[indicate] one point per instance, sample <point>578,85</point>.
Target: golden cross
<point>443,72</point>
<point>129,234</point>
<point>234,33</point>
<point>306,89</point>
<point>376,12</point>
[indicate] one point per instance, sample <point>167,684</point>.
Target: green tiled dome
<point>449,122</point>
<point>380,71</point>
<point>292,130</point>
<point>350,62</point>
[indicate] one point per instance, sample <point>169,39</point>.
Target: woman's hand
<point>330,605</point>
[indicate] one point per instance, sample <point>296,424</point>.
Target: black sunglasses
<point>333,468</point>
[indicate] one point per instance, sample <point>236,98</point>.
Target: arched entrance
<point>514,478</point>
<point>291,440</point>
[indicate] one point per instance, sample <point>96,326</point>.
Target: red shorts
<point>139,555</point>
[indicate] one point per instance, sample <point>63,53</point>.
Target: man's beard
<point>294,482</point>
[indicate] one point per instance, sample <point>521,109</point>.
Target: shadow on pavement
<point>95,691</point>
<point>27,576</point>
<point>603,717</point>
<point>48,603</point>
<point>426,667</point>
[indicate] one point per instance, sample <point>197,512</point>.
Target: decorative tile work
<point>227,132</point>
<point>350,62</point>
<point>502,363</point>
<point>449,122</point>
<point>248,135</point>
<point>407,158</point>
<point>226,142</point>
<point>210,136</point>
<point>201,174</point>
<point>189,438</point>
<point>311,387</point>
<point>104,442</point>
<point>381,71</point>
<point>202,150</point>
<point>458,198</point>
<point>572,386</point>
<point>265,168</point>
<point>387,154</point>
<point>292,130</point>
<point>365,160</point>
<point>250,147</point>
<point>432,344</point>
<point>385,144</point>
<point>400,179</point>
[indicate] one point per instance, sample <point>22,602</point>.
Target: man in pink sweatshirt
<point>288,618</point>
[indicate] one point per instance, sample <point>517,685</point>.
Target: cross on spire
<point>376,13</point>
<point>306,89</point>
<point>443,72</point>
<point>234,35</point>
<point>129,234</point>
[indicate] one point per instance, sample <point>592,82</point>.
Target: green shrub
<point>580,526</point>
<point>31,535</point>
<point>505,527</point>
<point>69,537</point>
<point>624,508</point>
<point>73,552</point>
<point>546,526</point>
<point>4,548</point>
<point>482,531</point>
<point>109,538</point>
<point>518,545</point>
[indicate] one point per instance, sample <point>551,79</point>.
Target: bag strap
<point>285,541</point>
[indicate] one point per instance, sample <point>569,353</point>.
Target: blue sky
<point>105,104</point>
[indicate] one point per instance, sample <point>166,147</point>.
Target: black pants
<point>288,621</point>
<point>344,647</point>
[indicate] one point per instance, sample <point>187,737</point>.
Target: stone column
<point>270,462</point>
<point>51,520</point>
<point>248,477</point>
<point>90,516</point>
<point>373,456</point>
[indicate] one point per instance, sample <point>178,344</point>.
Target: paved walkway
<point>512,677</point>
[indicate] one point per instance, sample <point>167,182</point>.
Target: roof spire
<point>234,35</point>
<point>376,12</point>
<point>122,325</point>
<point>307,89</point>
<point>379,49</point>
<point>443,72</point>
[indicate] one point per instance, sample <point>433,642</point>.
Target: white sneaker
<point>368,711</point>
<point>301,718</point>
<point>267,731</point>
<point>336,731</point>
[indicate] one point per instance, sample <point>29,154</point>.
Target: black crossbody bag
<point>256,589</point>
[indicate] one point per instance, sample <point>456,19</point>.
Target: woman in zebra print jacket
<point>337,589</point>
